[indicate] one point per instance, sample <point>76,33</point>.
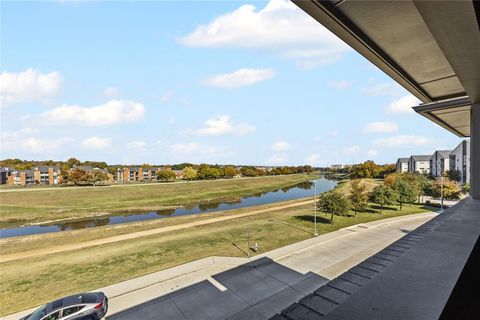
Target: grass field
<point>19,207</point>
<point>32,281</point>
<point>344,185</point>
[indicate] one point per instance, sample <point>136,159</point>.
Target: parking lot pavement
<point>256,290</point>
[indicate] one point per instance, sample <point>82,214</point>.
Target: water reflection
<point>80,224</point>
<point>298,191</point>
<point>307,185</point>
<point>209,206</point>
<point>165,212</point>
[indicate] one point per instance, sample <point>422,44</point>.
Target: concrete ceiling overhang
<point>431,48</point>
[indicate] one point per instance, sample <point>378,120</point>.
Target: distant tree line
<point>64,165</point>
<point>367,169</point>
<point>209,172</point>
<point>72,174</point>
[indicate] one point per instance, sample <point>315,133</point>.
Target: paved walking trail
<point>134,235</point>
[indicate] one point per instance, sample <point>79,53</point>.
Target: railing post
<point>475,151</point>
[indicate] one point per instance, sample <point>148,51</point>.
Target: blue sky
<point>217,81</point>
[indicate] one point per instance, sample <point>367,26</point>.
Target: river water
<point>301,190</point>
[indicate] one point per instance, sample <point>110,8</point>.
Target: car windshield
<point>38,314</point>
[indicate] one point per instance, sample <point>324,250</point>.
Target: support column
<point>475,151</point>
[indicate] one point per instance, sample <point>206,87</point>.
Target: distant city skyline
<point>237,82</point>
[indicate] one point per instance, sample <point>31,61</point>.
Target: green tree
<point>166,175</point>
<point>260,172</point>
<point>358,197</point>
<point>189,173</point>
<point>97,176</point>
<point>77,176</point>
<point>383,195</point>
<point>334,203</point>
<point>451,190</point>
<point>229,171</point>
<point>206,171</point>
<point>406,191</point>
<point>73,162</point>
<point>248,172</point>
<point>453,175</point>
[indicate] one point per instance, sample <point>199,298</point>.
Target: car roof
<point>71,301</point>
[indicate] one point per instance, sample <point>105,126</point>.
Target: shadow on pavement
<point>256,290</point>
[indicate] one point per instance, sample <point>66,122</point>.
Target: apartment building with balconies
<point>402,165</point>
<point>439,162</point>
<point>419,164</point>
<point>460,161</point>
<point>46,175</point>
<point>21,178</point>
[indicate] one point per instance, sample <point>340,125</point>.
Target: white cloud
<point>96,143</point>
<point>403,104</point>
<point>381,127</point>
<point>171,120</point>
<point>313,160</point>
<point>41,146</point>
<point>372,153</point>
<point>339,84</point>
<point>10,139</point>
<point>280,146</point>
<point>402,141</point>
<point>280,28</point>
<point>137,145</point>
<point>277,159</point>
<point>239,78</point>
<point>19,140</point>
<point>351,150</point>
<point>223,125</point>
<point>111,91</point>
<point>111,112</point>
<point>383,89</point>
<point>28,86</point>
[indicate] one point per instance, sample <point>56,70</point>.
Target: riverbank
<point>56,204</point>
<point>33,280</point>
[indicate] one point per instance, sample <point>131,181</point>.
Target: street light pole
<point>315,234</point>
<point>441,192</point>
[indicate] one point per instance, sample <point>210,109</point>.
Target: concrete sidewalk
<point>323,257</point>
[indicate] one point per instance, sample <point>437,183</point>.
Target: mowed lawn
<point>29,282</point>
<point>370,183</point>
<point>56,203</point>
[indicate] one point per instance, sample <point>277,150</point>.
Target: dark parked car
<point>82,306</point>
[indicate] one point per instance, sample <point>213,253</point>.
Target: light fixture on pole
<point>315,234</point>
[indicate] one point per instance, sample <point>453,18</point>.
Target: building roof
<point>443,153</point>
<point>460,146</point>
<point>403,160</point>
<point>421,157</point>
<point>431,48</point>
